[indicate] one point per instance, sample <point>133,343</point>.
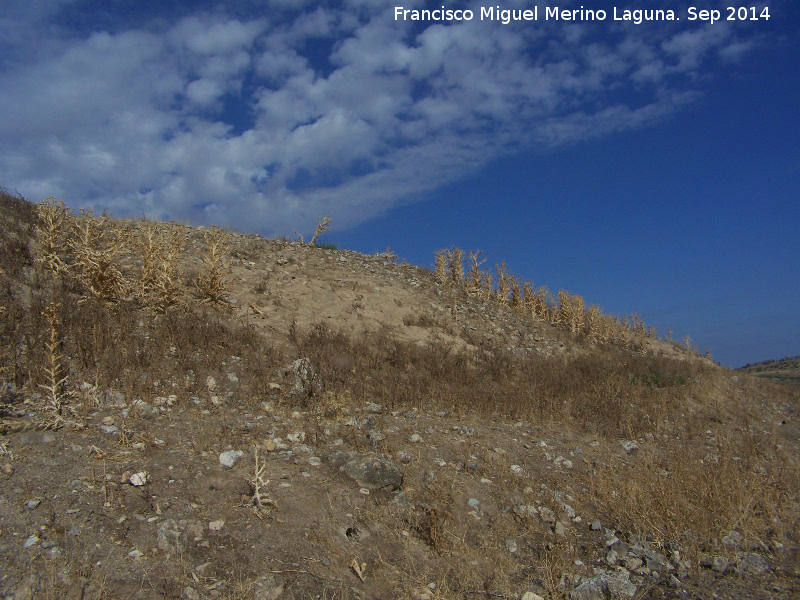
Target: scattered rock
<point>606,586</point>
<point>415,438</point>
<point>753,564</point>
<point>629,446</point>
<point>31,541</point>
<point>307,381</point>
<point>511,546</point>
<point>216,525</point>
<point>720,564</point>
<point>531,596</point>
<point>596,525</point>
<point>168,536</point>
<point>33,503</point>
<point>229,457</point>
<point>374,471</point>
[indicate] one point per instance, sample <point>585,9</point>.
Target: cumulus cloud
<point>269,122</point>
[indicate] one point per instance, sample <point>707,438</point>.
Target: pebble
<point>415,439</point>
<point>31,541</point>
<point>135,554</point>
<point>228,458</point>
<point>511,546</point>
<point>216,525</point>
<point>33,503</point>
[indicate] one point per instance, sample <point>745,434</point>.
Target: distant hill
<point>785,369</point>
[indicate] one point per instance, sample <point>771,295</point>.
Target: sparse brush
<point>322,227</point>
<point>212,281</point>
<point>571,311</point>
<point>160,283</point>
<point>687,342</point>
<point>504,279</point>
<point>440,258</point>
<point>594,323</point>
<point>474,279</point>
<point>53,370</point>
<point>516,292</point>
<point>52,233</point>
<point>455,265</point>
<point>97,245</point>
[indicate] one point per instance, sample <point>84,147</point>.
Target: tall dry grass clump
<point>161,281</point>
<point>212,283</point>
<point>97,245</point>
<point>53,229</point>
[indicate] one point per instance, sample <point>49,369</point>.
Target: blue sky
<point>651,168</point>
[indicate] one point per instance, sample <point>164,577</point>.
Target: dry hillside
<point>192,413</point>
<point>785,369</point>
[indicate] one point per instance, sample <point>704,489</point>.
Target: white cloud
<point>266,124</point>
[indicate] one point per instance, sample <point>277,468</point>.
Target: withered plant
<point>54,379</point>
<point>53,228</point>
<point>440,258</point>
<point>97,244</point>
<point>322,227</point>
<point>161,281</point>
<point>455,265</point>
<point>212,282</point>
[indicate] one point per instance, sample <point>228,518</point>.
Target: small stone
<point>216,525</point>
<point>269,445</point>
<point>109,429</point>
<point>633,563</point>
<point>190,593</point>
<point>405,457</point>
<point>228,458</point>
<point>531,596</point>
<point>511,546</point>
<point>415,439</point>
<point>720,564</point>
<point>753,564</point>
<point>596,525</point>
<point>108,420</point>
<point>559,529</point>
<point>629,446</point>
<point>474,502</point>
<point>516,469</point>
<point>135,554</point>
<point>733,539</point>
<point>74,531</point>
<point>139,479</point>
<point>31,541</point>
<point>315,461</point>
<point>33,503</point>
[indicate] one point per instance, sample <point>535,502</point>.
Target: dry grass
<point>212,282</point>
<point>565,310</point>
<point>96,246</point>
<point>161,281</point>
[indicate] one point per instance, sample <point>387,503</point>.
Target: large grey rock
<point>374,471</point>
<point>307,381</point>
<point>607,586</point>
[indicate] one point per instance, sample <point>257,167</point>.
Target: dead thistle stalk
<point>54,382</point>
<point>322,227</point>
<point>258,501</point>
